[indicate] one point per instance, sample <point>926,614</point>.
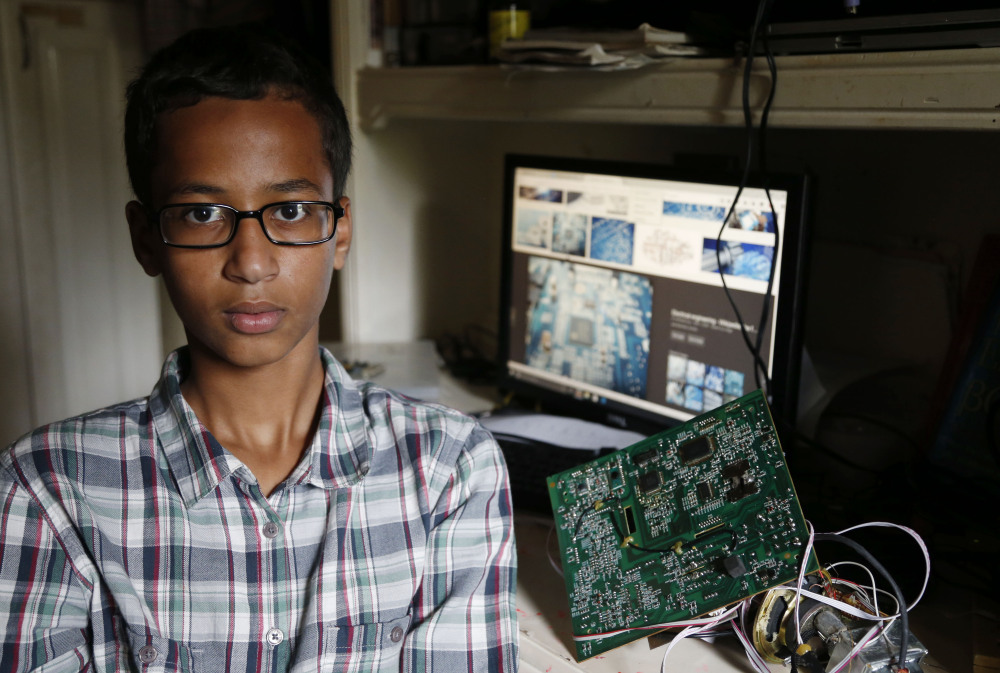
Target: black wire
<point>760,368</point>
<point>762,168</point>
<point>904,621</point>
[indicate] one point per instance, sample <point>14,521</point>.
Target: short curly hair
<point>244,62</point>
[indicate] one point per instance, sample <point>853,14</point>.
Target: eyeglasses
<point>213,225</point>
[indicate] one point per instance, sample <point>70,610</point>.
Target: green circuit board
<point>679,525</point>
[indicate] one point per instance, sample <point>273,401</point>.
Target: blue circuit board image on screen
<point>694,211</point>
<point>612,240</point>
<point>752,220</point>
<point>589,324</point>
<point>747,260</point>
<point>698,386</point>
<point>569,233</point>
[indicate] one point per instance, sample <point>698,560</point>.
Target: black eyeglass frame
<point>338,212</point>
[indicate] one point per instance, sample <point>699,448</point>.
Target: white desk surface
<point>546,636</point>
<point>414,369</point>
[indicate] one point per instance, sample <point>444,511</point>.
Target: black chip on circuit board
<point>705,491</point>
<point>644,456</point>
<point>696,450</point>
<point>649,482</point>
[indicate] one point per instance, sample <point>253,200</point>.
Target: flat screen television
<point>613,307</point>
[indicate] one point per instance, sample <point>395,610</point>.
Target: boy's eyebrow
<point>295,185</point>
<point>196,188</point>
<point>283,187</point>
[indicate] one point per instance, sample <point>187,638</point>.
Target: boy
<point>260,510</point>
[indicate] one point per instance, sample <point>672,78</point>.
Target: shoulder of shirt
<point>50,448</point>
<point>447,431</point>
<point>437,442</point>
<point>380,402</point>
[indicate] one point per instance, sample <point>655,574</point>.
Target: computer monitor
<point>613,306</point>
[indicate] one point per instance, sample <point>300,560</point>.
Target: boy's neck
<point>266,415</point>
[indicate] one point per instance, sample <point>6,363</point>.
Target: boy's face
<point>250,302</point>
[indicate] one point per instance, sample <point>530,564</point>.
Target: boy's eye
<point>291,212</point>
<point>204,215</point>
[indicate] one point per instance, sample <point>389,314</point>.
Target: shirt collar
<point>337,457</point>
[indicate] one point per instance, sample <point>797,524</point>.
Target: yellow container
<point>509,23</point>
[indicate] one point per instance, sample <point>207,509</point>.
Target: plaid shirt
<point>131,540</point>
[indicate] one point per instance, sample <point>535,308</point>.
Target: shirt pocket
<point>373,646</point>
<point>154,654</point>
<point>67,662</point>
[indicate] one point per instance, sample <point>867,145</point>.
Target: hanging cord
<point>762,167</point>
<point>761,377</point>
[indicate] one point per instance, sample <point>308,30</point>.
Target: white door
<point>80,320</point>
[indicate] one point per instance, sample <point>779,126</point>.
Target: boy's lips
<point>254,317</point>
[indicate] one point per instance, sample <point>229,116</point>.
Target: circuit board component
<point>679,525</point>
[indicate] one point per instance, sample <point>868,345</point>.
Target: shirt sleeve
<point>465,617</point>
<point>44,612</point>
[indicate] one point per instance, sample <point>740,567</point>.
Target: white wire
<point>849,609</point>
<point>687,623</point>
<point>753,656</point>
<point>915,536</point>
<point>802,578</point>
<point>871,576</point>
<point>548,551</point>
<point>695,628</point>
<point>889,594</point>
<point>744,611</point>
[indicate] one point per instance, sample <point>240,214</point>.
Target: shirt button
<point>396,634</point>
<point>271,530</point>
<point>147,654</point>
<point>275,636</point>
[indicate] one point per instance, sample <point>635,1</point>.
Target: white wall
<point>88,315</point>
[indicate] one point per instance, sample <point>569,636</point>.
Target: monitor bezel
<point>789,320</point>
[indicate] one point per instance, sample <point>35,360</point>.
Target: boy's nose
<point>252,257</point>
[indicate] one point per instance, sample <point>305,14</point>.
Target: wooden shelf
<point>946,89</point>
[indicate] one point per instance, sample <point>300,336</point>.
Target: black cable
<point>760,368</point>
<point>904,621</point>
<point>762,168</point>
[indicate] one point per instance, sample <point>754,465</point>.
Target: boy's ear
<point>144,238</point>
<point>345,230</point>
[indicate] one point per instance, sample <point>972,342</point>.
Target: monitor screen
<point>613,306</point>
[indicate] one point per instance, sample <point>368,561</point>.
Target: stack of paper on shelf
<point>618,49</point>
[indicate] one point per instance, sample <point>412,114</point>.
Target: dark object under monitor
<point>612,306</point>
<point>979,27</point>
